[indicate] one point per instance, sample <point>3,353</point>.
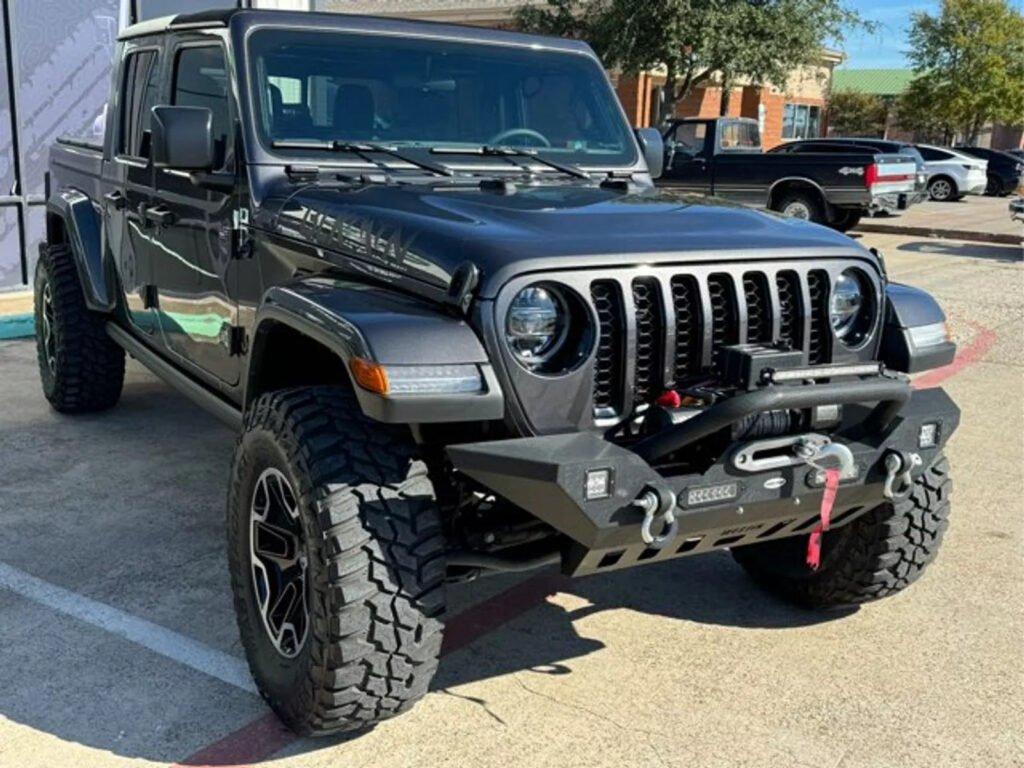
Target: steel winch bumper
<point>593,491</point>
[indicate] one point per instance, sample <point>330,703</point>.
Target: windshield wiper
<point>486,151</point>
<point>361,148</point>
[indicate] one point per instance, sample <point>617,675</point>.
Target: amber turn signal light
<point>371,376</point>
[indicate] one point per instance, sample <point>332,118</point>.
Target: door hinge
<point>243,240</point>
<point>233,338</point>
<point>240,218</point>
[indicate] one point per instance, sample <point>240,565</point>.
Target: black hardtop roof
<point>349,22</point>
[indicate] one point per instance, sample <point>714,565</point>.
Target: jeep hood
<point>426,232</point>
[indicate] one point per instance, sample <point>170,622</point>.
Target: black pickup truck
<point>723,157</point>
<point>423,269</point>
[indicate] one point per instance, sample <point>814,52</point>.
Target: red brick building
<point>793,111</point>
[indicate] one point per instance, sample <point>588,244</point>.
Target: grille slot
<point>818,348</point>
<point>689,327</point>
<point>724,326</point>
<point>759,307</point>
<point>611,334</point>
<point>791,328</point>
<point>650,339</point>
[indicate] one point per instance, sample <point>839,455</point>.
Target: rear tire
<point>942,189</point>
<point>361,542</point>
<point>879,554</point>
<point>845,220</point>
<point>994,187</point>
<point>802,205</point>
<point>81,368</point>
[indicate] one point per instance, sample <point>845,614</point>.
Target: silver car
<point>953,174</point>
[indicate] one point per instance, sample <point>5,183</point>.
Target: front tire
<point>994,187</point>
<point>80,366</point>
<point>879,554</point>
<point>336,558</point>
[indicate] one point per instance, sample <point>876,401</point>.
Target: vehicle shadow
<point>991,251</point>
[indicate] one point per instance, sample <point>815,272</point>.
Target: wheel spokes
<point>273,543</point>
<point>49,341</point>
<point>278,562</point>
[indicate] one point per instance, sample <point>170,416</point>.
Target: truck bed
<point>77,164</point>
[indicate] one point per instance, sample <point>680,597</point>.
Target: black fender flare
<point>83,232</point>
<point>907,308</point>
<point>354,320</point>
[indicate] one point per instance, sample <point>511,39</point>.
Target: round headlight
<point>848,300</point>
<point>537,324</point>
<point>852,307</point>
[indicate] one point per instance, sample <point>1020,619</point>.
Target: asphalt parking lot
<point>118,643</point>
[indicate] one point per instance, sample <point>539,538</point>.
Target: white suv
<point>953,174</point>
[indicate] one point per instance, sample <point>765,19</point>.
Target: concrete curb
<point>944,234</point>
<point>17,326</point>
<point>16,315</point>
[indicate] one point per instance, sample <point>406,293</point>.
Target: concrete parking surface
<point>118,644</point>
<point>973,217</point>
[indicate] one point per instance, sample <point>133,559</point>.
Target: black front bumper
<point>547,476</point>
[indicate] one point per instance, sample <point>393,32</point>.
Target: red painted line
<point>265,737</point>
<point>252,743</point>
<point>974,352</point>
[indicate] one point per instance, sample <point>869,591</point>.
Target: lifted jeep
<point>424,269</point>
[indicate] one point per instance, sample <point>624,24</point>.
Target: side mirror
<point>653,148</point>
<point>182,138</point>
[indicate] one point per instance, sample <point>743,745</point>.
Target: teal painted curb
<point>17,326</point>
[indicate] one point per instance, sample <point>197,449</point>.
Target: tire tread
<point>877,555</point>
<point>377,641</point>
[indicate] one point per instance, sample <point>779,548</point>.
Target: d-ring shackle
<point>658,503</point>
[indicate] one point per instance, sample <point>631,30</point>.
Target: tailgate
<point>892,174</point>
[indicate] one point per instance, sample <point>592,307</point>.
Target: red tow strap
<point>828,499</point>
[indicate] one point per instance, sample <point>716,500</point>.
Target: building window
<point>801,121</point>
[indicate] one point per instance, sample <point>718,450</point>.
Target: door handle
<point>160,215</point>
<point>116,199</point>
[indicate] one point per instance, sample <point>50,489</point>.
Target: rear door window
<point>933,155</point>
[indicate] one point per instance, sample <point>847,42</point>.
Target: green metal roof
<point>884,82</point>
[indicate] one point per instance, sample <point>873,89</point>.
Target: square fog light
<point>599,484</point>
<point>928,436</point>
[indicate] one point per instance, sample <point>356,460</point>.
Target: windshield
<point>412,92</point>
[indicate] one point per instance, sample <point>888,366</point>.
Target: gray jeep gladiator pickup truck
<point>425,272</point>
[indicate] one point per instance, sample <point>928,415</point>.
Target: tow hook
<point>658,503</point>
<point>897,468</point>
<point>813,452</point>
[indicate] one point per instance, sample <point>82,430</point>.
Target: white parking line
<point>166,642</point>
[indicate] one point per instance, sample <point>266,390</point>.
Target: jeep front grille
<point>675,324</point>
